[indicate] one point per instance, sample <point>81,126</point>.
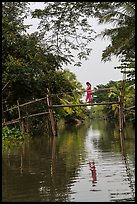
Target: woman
<point>89,92</point>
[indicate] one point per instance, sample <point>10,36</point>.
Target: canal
<point>82,164</point>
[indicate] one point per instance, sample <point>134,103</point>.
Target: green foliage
<point>62,22</point>
<point>65,28</point>
<point>98,112</point>
<point>12,134</point>
<point>31,63</point>
<point>29,68</point>
<point>125,89</point>
<point>12,139</point>
<point>128,68</point>
<point>121,15</point>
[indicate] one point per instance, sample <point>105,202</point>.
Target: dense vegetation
<point>31,63</point>
<point>118,89</point>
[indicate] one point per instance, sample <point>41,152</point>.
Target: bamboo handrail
<point>93,90</point>
<point>132,109</point>
<point>36,100</point>
<point>36,114</point>
<point>11,122</point>
<point>28,116</point>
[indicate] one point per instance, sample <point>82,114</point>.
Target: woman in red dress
<point>89,92</point>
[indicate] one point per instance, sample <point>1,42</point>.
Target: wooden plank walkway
<point>83,104</point>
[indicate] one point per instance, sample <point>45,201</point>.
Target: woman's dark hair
<point>88,83</point>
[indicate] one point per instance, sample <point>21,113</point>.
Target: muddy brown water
<point>82,164</point>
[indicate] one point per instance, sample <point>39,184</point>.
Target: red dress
<point>89,93</point>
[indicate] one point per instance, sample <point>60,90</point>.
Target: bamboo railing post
<point>49,121</point>
<point>20,119</point>
<point>27,120</point>
<point>51,117</point>
<point>121,118</point>
<point>120,115</point>
<point>19,113</point>
<point>3,115</point>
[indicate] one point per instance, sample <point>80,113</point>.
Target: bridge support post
<point>121,119</point>
<point>21,122</point>
<point>51,116</point>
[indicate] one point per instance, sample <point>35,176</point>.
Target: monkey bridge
<point>50,111</point>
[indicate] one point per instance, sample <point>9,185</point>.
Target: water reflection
<point>93,172</point>
<point>87,163</point>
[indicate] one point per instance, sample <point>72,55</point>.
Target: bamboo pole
<point>10,122</point>
<point>120,115</point>
<point>18,109</point>
<point>17,120</point>
<point>86,104</point>
<point>36,100</point>
<point>20,119</point>
<point>83,91</point>
<point>36,114</point>
<point>24,104</point>
<point>53,127</point>
<point>27,120</point>
<point>121,119</point>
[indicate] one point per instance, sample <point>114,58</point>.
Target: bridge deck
<point>83,104</point>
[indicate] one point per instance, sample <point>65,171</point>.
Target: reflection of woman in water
<point>93,171</point>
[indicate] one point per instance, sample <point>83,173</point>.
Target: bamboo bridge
<point>50,111</point>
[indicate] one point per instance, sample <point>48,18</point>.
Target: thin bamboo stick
<point>17,120</point>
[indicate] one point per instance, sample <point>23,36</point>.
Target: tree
<point>62,22</point>
<point>28,67</point>
<point>64,28</point>
<point>121,15</point>
<point>118,89</point>
<point>12,26</point>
